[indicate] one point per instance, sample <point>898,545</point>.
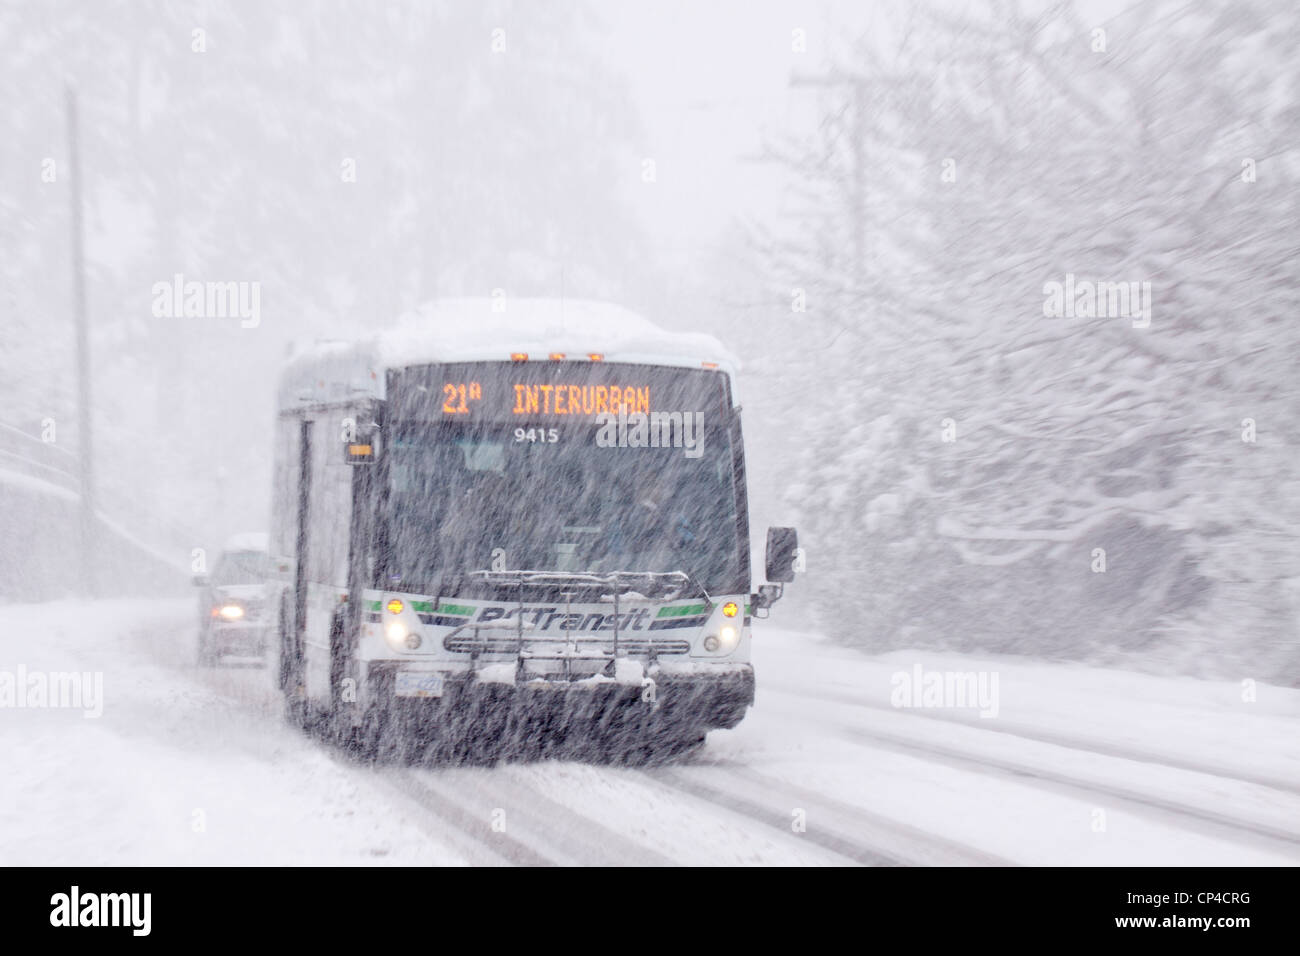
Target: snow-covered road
<point>1079,766</point>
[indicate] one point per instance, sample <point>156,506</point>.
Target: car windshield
<point>494,496</point>
<point>240,567</point>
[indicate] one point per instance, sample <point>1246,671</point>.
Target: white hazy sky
<point>710,77</point>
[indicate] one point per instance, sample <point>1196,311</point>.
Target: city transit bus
<point>516,528</point>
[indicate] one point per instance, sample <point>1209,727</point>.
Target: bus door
<point>301,542</point>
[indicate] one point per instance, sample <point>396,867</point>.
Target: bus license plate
<point>414,684</point>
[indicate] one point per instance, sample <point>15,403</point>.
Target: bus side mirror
<point>199,580</point>
<point>782,549</point>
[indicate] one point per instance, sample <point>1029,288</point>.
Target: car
<point>235,604</point>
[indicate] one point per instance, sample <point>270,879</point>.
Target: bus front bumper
<point>670,702</point>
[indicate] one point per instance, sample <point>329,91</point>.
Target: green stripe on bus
<point>455,609</point>
<point>683,611</point>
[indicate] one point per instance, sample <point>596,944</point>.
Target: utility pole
<point>857,175</point>
<point>89,536</point>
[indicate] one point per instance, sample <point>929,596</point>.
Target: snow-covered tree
<point>979,472</point>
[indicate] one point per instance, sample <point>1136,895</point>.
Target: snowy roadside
<point>175,771</point>
<point>824,719</point>
<point>195,766</point>
<point>1232,727</point>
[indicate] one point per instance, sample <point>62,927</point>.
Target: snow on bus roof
<point>470,330</point>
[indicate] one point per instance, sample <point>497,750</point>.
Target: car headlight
<point>231,612</point>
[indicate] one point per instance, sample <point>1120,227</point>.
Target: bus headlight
<point>231,612</point>
<point>727,636</point>
<point>396,633</point>
<point>725,640</point>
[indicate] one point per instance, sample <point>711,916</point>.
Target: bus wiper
<point>666,585</point>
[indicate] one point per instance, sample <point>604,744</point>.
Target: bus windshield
<point>466,497</point>
<point>540,466</point>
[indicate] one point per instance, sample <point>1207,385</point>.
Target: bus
<point>514,528</point>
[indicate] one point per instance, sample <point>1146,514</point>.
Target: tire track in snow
<point>777,815</point>
<point>919,847</point>
<point>470,832</point>
<point>1050,737</point>
<point>544,827</point>
<point>1028,771</point>
<point>1022,770</point>
<point>688,830</point>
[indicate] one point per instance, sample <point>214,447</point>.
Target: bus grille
<point>594,648</point>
